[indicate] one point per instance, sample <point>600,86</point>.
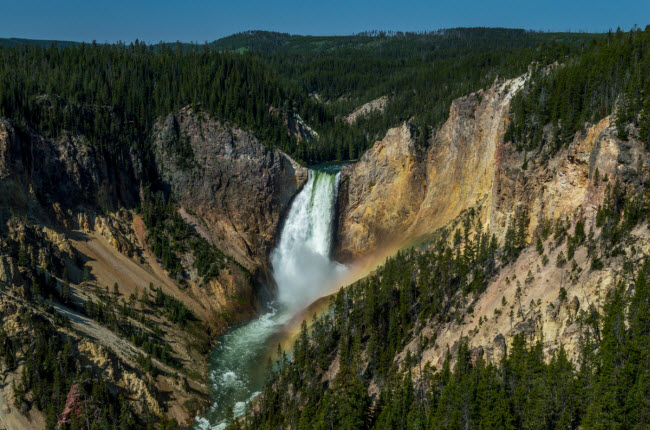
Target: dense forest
<point>408,68</point>
<point>610,76</point>
<point>113,94</point>
<point>370,322</point>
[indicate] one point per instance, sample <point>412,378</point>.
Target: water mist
<point>301,261</point>
<point>303,272</point>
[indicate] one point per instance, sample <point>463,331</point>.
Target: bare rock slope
<point>398,191</point>
<point>377,105</point>
<point>231,187</point>
<point>402,195</point>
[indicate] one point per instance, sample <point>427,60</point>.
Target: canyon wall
<point>402,194</point>
<point>398,192</point>
<point>69,210</point>
<point>66,172</point>
<point>232,189</point>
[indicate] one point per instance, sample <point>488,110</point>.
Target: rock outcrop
<point>566,183</point>
<point>398,192</point>
<point>377,105</point>
<point>403,194</point>
<point>232,189</point>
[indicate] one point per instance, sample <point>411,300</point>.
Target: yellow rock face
<point>381,194</point>
<point>398,192</point>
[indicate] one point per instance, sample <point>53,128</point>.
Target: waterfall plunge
<point>303,272</point>
<point>301,261</point>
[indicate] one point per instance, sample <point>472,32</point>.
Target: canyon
<point>236,194</point>
<point>77,212</point>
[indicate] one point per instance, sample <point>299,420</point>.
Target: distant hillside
<point>12,42</point>
<point>389,42</point>
<point>322,79</point>
<point>419,74</point>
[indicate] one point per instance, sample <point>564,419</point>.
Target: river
<point>303,271</point>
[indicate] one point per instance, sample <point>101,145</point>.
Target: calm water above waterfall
<point>302,269</point>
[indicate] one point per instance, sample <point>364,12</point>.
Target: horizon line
<point>387,33</point>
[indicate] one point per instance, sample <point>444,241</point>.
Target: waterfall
<point>303,271</point>
<point>301,261</point>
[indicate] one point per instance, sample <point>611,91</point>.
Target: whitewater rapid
<point>303,272</point>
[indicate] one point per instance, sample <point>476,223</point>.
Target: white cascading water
<point>303,272</point>
<point>301,261</point>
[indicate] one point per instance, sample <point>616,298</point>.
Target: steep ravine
<point>59,200</point>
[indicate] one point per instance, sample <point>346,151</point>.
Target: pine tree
<point>607,410</point>
<point>23,255</point>
<point>66,292</point>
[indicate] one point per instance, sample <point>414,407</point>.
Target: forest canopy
<point>114,93</point>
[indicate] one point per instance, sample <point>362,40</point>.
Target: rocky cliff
<point>374,106</point>
<point>231,188</point>
<point>70,231</point>
<point>380,195</point>
<point>400,193</point>
<point>66,172</point>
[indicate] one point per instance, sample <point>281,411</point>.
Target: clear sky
<point>192,20</point>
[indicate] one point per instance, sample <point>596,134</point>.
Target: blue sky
<point>199,21</point>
